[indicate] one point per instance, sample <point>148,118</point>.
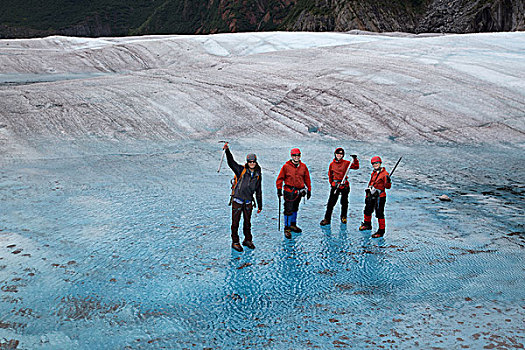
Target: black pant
<point>237,211</point>
<point>291,202</point>
<point>377,204</point>
<point>332,200</point>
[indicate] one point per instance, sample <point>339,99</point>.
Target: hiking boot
<point>365,226</point>
<point>379,233</point>
<point>248,244</point>
<point>324,222</point>
<point>294,228</point>
<point>237,247</point>
<point>343,219</point>
<point>287,232</point>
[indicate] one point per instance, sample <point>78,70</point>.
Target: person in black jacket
<point>247,182</point>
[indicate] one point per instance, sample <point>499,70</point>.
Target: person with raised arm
<point>247,182</point>
<point>339,184</point>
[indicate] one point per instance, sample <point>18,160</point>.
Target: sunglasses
<point>296,155</point>
<point>252,161</point>
<point>376,163</point>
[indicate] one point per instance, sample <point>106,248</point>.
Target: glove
<point>225,147</point>
<point>353,156</point>
<point>279,192</point>
<point>334,184</point>
<point>388,179</point>
<point>308,194</point>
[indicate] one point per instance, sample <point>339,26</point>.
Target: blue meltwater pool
<point>128,247</point>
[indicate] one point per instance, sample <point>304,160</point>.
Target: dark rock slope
<point>135,17</point>
<point>472,16</point>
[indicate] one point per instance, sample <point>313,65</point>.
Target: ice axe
<point>346,174</point>
<point>395,166</point>
<point>222,157</point>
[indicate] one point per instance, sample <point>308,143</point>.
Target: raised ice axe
<point>222,157</point>
<point>395,166</point>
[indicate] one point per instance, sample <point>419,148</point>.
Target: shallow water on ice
<point>129,247</point>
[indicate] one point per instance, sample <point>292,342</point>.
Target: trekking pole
<point>279,224</point>
<point>395,166</point>
<point>222,157</point>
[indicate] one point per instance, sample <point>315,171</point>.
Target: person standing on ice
<point>375,199</point>
<point>247,182</point>
<point>338,179</point>
<point>296,178</point>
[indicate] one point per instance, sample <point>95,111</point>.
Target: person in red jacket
<point>336,171</point>
<point>296,178</point>
<point>376,197</point>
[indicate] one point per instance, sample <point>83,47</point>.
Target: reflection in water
<point>243,294</point>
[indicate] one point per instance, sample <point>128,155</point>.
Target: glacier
<point>114,223</point>
<point>457,88</point>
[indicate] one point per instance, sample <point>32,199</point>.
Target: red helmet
<point>375,159</point>
<point>339,150</point>
<point>295,151</point>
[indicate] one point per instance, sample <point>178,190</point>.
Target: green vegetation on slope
<point>120,15</point>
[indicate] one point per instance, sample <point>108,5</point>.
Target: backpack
<point>235,182</point>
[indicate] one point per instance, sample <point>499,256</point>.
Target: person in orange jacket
<point>296,178</point>
<point>376,197</point>
<point>339,186</point>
